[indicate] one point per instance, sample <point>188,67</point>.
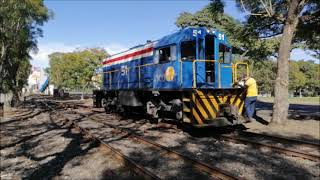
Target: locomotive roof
<point>189,33</point>
<point>180,35</point>
<point>185,34</point>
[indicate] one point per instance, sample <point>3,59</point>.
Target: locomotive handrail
<point>109,72</point>
<point>194,85</point>
<point>235,70</point>
<point>139,73</point>
<point>128,69</point>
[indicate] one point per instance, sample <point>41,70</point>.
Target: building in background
<point>38,82</point>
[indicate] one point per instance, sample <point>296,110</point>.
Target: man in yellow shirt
<point>252,92</point>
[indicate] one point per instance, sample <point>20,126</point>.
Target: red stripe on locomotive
<point>150,49</point>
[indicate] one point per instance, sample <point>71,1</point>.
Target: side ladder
<point>187,107</point>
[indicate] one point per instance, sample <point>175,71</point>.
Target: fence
<point>80,91</point>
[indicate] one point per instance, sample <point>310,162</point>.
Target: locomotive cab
<point>206,77</point>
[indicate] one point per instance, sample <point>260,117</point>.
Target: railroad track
<point>247,137</point>
<point>283,139</point>
<point>208,169</point>
<point>146,174</point>
<point>199,167</point>
<point>28,114</point>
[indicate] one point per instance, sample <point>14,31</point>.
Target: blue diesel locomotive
<point>187,76</point>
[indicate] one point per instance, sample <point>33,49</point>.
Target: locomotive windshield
<point>224,53</point>
<point>188,50</point>
<point>166,54</point>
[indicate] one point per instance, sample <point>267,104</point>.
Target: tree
<point>75,69</point>
<point>270,18</point>
<point>308,29</point>
<point>20,22</point>
<point>270,29</point>
<point>245,43</point>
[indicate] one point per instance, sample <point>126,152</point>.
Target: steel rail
<point>136,167</point>
<point>28,115</point>
<point>292,140</point>
<point>146,174</point>
<point>204,167</point>
<point>286,151</point>
<point>291,152</point>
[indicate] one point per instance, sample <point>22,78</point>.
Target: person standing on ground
<point>251,98</point>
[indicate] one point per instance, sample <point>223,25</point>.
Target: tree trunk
<point>15,99</point>
<point>300,94</point>
<point>15,93</point>
<point>281,104</point>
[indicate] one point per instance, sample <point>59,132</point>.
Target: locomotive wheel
<point>125,111</point>
<point>152,110</point>
<point>179,115</point>
<point>104,104</point>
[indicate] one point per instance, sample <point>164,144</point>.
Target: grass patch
<point>294,100</point>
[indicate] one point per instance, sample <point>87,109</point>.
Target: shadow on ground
<point>296,111</point>
<point>45,142</point>
<point>61,145</point>
<point>240,159</point>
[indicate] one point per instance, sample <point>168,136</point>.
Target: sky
<point>116,25</point>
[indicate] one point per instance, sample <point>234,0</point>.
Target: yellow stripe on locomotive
<point>219,107</point>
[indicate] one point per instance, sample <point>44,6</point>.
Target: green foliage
<point>263,72</point>
<point>23,73</point>
<point>257,37</point>
<point>75,69</point>
<point>297,79</point>
<point>47,70</point>
<point>245,42</point>
<point>295,21</point>
<point>303,75</point>
<point>267,18</point>
<point>20,21</point>
<point>308,33</point>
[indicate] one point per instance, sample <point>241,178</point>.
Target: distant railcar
<point>187,75</point>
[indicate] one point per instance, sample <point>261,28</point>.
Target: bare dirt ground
<point>43,147</point>
<point>303,122</point>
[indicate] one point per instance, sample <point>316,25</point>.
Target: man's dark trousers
<point>250,105</point>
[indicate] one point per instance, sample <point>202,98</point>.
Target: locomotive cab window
<point>166,54</point>
<point>224,53</point>
<point>188,50</point>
